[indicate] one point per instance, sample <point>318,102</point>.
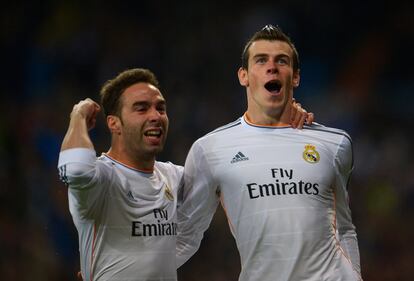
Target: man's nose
<point>272,68</point>
<point>154,114</point>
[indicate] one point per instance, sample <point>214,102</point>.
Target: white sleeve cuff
<point>80,155</point>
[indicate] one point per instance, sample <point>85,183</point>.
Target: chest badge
<point>310,154</point>
<point>168,193</point>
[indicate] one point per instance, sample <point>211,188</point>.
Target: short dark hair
<point>270,33</point>
<point>112,89</point>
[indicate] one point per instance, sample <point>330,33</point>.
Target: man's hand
<point>82,119</point>
<point>79,276</point>
<point>299,116</point>
<point>87,109</point>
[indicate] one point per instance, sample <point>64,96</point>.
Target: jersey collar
<point>127,166</point>
<point>246,121</point>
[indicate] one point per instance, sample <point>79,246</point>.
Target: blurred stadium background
<point>356,67</point>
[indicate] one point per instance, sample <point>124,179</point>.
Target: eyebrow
<point>267,55</point>
<point>264,55</point>
<point>159,102</point>
<point>137,103</point>
<point>283,56</point>
<point>260,55</point>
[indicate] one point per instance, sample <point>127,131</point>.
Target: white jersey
<point>126,219</point>
<point>285,194</point>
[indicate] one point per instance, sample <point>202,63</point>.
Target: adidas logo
<point>239,157</point>
<point>131,196</point>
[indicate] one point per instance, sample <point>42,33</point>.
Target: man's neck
<point>266,119</point>
<point>145,165</point>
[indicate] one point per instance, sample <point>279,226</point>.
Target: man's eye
<point>261,60</point>
<point>282,61</point>
<point>140,108</point>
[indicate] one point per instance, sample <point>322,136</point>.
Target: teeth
<point>153,133</point>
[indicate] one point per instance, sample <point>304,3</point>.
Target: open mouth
<point>154,136</point>
<point>273,86</point>
<point>153,133</point>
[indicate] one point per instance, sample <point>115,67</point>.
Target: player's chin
<point>152,150</point>
<point>156,148</point>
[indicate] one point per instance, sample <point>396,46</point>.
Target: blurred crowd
<point>356,75</point>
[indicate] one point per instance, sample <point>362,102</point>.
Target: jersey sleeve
<point>79,170</point>
<point>345,227</point>
<point>198,203</point>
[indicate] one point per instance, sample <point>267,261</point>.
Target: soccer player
<point>123,203</point>
<point>284,191</point>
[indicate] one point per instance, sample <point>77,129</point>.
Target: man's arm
<point>198,201</point>
<point>82,119</point>
<point>77,161</point>
<point>346,229</point>
<point>76,166</point>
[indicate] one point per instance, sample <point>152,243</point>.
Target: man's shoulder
<point>223,130</point>
<point>174,173</point>
<point>328,132</point>
<point>169,167</point>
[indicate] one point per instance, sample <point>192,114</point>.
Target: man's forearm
<point>77,134</point>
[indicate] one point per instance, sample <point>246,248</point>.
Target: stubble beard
<point>136,145</point>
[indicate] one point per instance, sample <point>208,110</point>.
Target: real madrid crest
<point>310,154</point>
<point>168,193</point>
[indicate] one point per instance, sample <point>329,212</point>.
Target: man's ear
<point>243,78</point>
<point>114,124</point>
<point>296,78</point>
